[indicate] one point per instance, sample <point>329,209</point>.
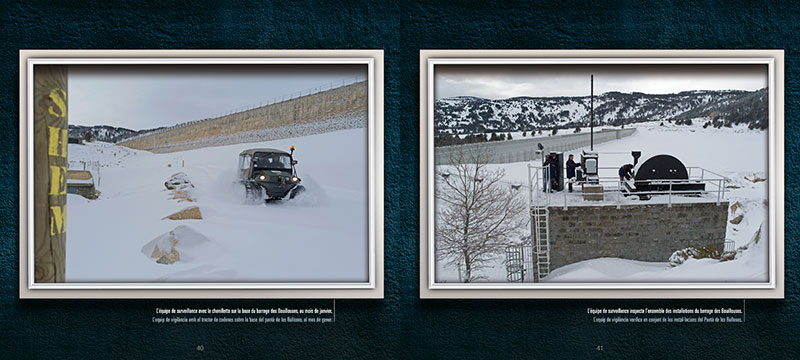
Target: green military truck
<point>269,174</point>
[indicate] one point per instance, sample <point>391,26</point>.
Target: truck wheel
<point>298,189</point>
<point>252,192</point>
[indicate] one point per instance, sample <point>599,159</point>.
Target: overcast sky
<point>505,81</point>
<point>148,96</point>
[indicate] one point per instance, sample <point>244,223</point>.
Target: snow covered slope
<point>320,236</point>
<point>468,115</point>
<point>738,153</point>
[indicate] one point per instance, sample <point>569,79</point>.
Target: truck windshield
<point>272,161</point>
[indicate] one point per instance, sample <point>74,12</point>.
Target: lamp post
<point>591,111</point>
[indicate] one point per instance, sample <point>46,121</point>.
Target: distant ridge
<point>470,114</point>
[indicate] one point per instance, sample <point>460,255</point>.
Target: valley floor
<point>320,236</point>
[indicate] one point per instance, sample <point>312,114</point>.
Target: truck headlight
<point>262,178</point>
<point>295,179</point>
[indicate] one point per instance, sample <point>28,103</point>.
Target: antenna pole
<point>591,120</point>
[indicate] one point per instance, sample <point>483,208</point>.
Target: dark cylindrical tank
<point>661,167</point>
<point>664,167</point>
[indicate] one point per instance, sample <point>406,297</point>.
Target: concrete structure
<point>340,108</point>
<point>80,182</point>
<point>525,149</point>
<point>647,232</point>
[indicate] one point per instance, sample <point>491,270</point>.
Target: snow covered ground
<point>737,153</point>
<point>320,236</point>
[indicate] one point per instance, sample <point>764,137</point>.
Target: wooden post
<point>49,172</point>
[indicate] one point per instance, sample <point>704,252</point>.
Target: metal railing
<point>730,246</point>
<point>614,186</point>
<point>523,149</point>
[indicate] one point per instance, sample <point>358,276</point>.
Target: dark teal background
<point>401,325</point>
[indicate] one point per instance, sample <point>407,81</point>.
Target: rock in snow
<point>192,212</point>
<point>170,247</point>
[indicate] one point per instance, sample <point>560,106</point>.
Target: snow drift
<point>322,237</point>
<point>183,242</point>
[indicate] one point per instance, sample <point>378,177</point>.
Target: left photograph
<point>202,173</point>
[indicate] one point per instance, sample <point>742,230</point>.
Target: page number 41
<point>599,348</point>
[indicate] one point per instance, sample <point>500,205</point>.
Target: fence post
<point>530,188</point>
<point>669,204</point>
<point>49,172</point>
<point>723,187</point>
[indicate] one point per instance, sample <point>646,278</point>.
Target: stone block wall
<point>650,232</point>
<point>350,101</point>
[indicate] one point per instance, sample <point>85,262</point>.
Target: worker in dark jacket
<point>626,172</point>
<point>571,165</point>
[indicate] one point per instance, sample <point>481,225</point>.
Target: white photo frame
<point>429,288</point>
<point>372,288</point>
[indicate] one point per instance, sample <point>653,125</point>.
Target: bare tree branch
<point>477,216</point>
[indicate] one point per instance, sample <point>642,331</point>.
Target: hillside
<point>104,133</point>
<point>466,114</point>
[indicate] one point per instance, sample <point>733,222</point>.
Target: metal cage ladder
<point>541,238</point>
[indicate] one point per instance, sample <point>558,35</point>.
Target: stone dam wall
<point>341,108</point>
<point>637,232</point>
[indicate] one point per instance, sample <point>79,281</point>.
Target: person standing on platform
<point>571,165</point>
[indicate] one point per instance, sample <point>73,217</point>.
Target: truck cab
<point>269,173</point>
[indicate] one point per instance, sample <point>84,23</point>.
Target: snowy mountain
<point>467,114</point>
<point>103,133</point>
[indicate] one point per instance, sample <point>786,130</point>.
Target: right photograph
<point>587,173</point>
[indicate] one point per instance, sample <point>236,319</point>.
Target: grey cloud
<point>498,82</point>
